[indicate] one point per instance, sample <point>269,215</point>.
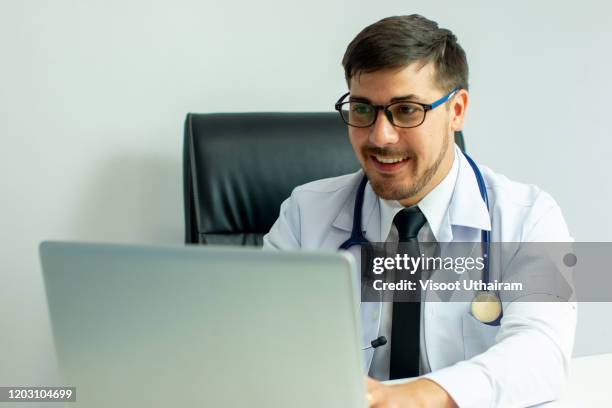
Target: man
<point>408,95</point>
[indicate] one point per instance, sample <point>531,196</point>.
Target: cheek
<point>417,142</point>
<point>357,141</point>
<point>433,140</point>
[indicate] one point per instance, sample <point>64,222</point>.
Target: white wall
<point>93,96</point>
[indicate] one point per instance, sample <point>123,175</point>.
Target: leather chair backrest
<point>239,167</point>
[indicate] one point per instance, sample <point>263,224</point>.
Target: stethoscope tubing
<point>357,237</point>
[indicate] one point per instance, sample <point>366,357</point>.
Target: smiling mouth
<point>389,164</point>
<point>389,160</point>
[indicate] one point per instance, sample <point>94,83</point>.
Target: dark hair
<point>398,41</point>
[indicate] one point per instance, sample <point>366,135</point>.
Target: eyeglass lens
<point>361,114</point>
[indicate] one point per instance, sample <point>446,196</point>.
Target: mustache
<point>384,151</point>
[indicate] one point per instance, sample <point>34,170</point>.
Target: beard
<point>389,189</point>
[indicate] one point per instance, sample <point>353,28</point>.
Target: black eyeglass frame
<point>426,108</point>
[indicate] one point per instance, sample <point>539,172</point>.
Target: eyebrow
<point>409,97</point>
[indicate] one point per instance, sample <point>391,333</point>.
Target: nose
<point>383,132</point>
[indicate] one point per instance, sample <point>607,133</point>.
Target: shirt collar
<point>434,207</point>
<point>455,201</point>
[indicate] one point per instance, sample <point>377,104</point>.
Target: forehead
<point>382,85</point>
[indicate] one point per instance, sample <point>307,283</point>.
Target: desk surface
<point>588,384</point>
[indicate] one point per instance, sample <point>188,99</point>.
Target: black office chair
<point>239,167</point>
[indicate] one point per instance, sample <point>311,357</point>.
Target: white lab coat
<point>524,361</point>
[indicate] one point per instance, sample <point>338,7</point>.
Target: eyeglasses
<point>403,114</point>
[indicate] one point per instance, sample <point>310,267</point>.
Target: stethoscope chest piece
<point>486,307</point>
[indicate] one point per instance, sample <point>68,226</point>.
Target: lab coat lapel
<point>467,216</point>
<point>369,311</point>
<point>467,208</point>
<point>369,224</point>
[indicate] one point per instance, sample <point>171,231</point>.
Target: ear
<point>458,107</point>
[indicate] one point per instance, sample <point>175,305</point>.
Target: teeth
<point>390,160</point>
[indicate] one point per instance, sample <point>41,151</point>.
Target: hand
<point>417,393</point>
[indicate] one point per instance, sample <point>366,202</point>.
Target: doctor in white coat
<point>408,95</point>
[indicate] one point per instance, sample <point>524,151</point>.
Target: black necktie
<point>405,323</point>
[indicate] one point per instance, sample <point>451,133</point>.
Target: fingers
<point>376,393</point>
<point>370,399</point>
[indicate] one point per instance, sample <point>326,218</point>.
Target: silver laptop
<point>146,326</point>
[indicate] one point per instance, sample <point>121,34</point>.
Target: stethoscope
<point>486,306</point>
